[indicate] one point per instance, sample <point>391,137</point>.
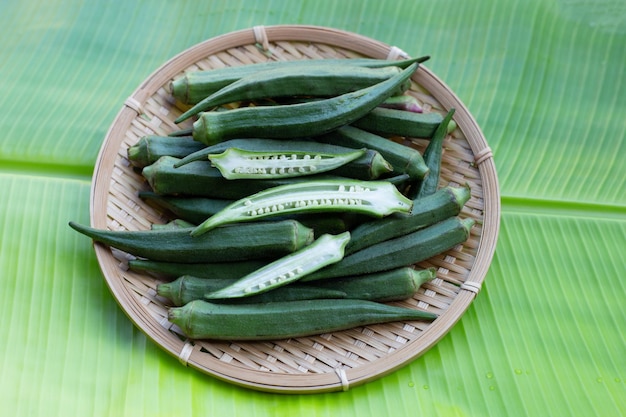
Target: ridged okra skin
<point>200,179</point>
<point>149,149</point>
<point>187,288</point>
<point>205,270</point>
<point>402,251</point>
<point>282,320</point>
<point>402,158</point>
<point>232,243</point>
<point>302,80</point>
<point>394,122</point>
<point>432,158</point>
<point>444,203</point>
<point>386,286</point>
<point>296,120</point>
<point>195,86</point>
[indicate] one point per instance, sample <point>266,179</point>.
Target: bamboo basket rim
<point>136,298</point>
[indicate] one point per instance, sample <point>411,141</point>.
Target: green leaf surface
<point>544,80</point>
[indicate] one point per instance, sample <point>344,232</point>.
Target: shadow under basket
<point>325,362</point>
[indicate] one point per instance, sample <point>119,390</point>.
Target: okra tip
<point>82,229</point>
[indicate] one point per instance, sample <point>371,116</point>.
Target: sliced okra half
<point>373,198</point>
<point>326,250</point>
<point>235,163</point>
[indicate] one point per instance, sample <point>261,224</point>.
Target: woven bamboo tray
<point>327,362</point>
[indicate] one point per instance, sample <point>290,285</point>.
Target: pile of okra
<point>293,211</point>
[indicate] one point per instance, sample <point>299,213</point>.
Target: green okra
<point>192,209</point>
<point>259,240</point>
<point>386,286</point>
<point>235,163</point>
<point>149,149</point>
<point>405,250</point>
<point>195,210</point>
<point>302,80</point>
<point>326,250</point>
<point>444,203</point>
<point>297,120</point>
<point>369,166</point>
<point>402,158</point>
<point>207,270</point>
<point>201,319</point>
<point>374,198</point>
<point>187,288</point>
<point>432,157</point>
<point>200,179</point>
<point>394,122</point>
<point>195,86</point>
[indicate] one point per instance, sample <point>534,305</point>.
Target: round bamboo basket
<point>321,363</point>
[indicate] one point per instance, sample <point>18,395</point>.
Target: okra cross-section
<point>373,198</point>
<point>236,163</point>
<point>324,251</point>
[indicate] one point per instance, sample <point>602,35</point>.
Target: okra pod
<point>402,158</point>
<point>394,122</point>
<point>374,198</point>
<point>402,251</point>
<point>432,157</point>
<point>394,285</point>
<point>191,209</point>
<point>297,120</point>
<point>444,203</point>
<point>235,163</point>
<point>326,250</point>
<point>258,240</point>
<point>370,166</point>
<point>281,320</point>
<point>303,80</point>
<point>200,179</point>
<point>187,288</point>
<point>149,149</point>
<point>195,86</point>
<point>207,270</point>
